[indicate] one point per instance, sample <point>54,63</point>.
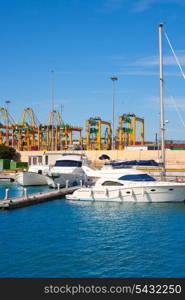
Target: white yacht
<point>68,169</point>
<point>53,168</point>
<point>108,170</point>
<point>36,175</point>
<point>30,178</point>
<point>132,186</point>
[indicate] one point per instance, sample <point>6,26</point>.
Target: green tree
<point>8,153</point>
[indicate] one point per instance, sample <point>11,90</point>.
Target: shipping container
<point>4,164</point>
<point>17,165</point>
<point>177,149</point>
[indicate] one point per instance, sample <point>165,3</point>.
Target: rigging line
<point>175,56</point>
<point>11,118</point>
<point>37,121</point>
<point>176,108</point>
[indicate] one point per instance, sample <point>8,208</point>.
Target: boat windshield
<point>68,163</point>
<point>137,177</point>
<point>112,183</point>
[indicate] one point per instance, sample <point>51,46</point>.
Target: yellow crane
<point>94,139</point>
<point>127,130</point>
<point>5,127</point>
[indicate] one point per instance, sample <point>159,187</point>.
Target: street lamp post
<point>53,105</point>
<point>114,79</point>
<point>7,124</point>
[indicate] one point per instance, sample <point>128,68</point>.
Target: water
<point>77,239</point>
<point>16,190</point>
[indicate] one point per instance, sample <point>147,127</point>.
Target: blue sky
<point>86,42</point>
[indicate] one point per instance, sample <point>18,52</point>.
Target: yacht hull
<point>66,179</point>
<point>157,194</point>
<point>30,179</point>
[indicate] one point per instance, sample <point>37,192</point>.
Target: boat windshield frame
<point>68,163</point>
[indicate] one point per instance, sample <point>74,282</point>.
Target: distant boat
<point>67,168</point>
<point>35,176</point>
<point>30,179</point>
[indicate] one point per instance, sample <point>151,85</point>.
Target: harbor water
<point>66,239</point>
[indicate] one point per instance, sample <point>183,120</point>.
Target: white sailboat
<point>136,186</point>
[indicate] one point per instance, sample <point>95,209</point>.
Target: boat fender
<point>92,194</point>
<point>120,195</point>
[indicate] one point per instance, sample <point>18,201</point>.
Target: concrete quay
<point>4,175</point>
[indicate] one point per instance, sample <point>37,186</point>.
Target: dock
<point>8,176</point>
<point>32,199</point>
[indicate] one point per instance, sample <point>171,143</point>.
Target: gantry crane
<point>60,134</point>
<point>6,133</point>
<point>29,134</point>
<point>126,135</point>
<point>94,138</point>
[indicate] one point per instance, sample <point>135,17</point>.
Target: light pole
<point>7,122</point>
<point>114,79</point>
<point>53,105</point>
<point>62,107</point>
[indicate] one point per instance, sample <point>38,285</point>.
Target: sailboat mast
<point>162,122</point>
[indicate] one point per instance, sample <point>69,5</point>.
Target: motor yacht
<point>132,186</point>
<point>54,169</point>
<point>112,169</point>
<point>68,170</point>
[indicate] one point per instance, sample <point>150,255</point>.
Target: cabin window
<point>29,160</point>
<point>110,183</point>
<point>137,177</point>
<point>34,160</point>
<point>40,159</point>
<point>68,163</point>
<point>46,160</point>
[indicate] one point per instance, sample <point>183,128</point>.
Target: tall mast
<point>162,122</point>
